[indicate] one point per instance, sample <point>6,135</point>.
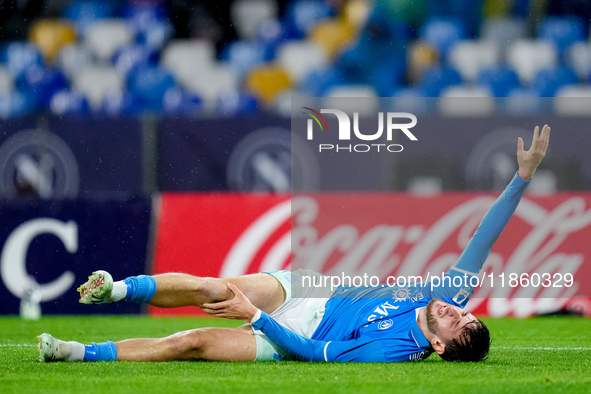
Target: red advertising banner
<point>536,266</point>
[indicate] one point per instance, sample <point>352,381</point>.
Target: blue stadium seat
<point>443,33</point>
<point>437,79</point>
<point>142,15</point>
<point>177,101</point>
<point>243,55</point>
<point>413,100</point>
<point>133,57</point>
<point>301,15</point>
<point>41,83</point>
<point>84,13</point>
<point>156,34</point>
<point>524,101</point>
<point>120,104</point>
<point>149,84</point>
<point>18,56</point>
<point>548,81</point>
<point>13,104</point>
<point>562,31</point>
<point>500,80</point>
<point>233,104</point>
<point>318,82</point>
<point>69,102</point>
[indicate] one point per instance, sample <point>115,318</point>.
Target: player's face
<point>447,321</point>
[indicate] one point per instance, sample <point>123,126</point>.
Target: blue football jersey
<point>379,324</point>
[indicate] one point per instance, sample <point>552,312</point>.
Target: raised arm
<point>473,257</point>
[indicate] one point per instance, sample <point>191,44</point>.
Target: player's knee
<point>185,342</point>
<point>213,290</point>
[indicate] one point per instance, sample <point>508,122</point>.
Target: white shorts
<point>300,315</point>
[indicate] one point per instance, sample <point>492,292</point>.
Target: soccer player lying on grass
<point>359,324</point>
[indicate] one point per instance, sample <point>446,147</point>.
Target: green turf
<point>517,363</point>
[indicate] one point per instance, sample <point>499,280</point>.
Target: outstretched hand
<point>530,160</point>
<point>238,308</point>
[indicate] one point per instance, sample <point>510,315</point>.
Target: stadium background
<point>122,123</point>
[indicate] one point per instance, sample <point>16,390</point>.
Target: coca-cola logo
<point>413,242</point>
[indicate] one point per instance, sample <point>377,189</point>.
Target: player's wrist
<point>526,175</point>
<point>256,316</point>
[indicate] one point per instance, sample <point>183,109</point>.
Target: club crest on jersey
<point>462,296</point>
<point>385,324</point>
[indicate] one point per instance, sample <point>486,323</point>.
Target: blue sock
<point>140,289</point>
<point>106,351</point>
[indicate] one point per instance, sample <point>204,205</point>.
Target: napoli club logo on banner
<point>38,163</point>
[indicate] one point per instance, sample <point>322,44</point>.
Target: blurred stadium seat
<point>527,57</point>
<point>148,85</point>
<point>503,30</point>
<point>420,57</point>
<point>18,56</point>
<point>468,100</point>
<point>249,15</point>
<point>549,80</point>
<point>300,57</point>
<point>302,15</point>
<point>242,55</point>
<point>579,58</point>
<point>6,81</point>
<point>84,13</point>
<point>266,82</point>
<point>332,35</point>
<point>573,100</point>
<point>68,102</point>
<point>500,79</point>
<point>186,58</point>
<point>41,83</point>
<point>443,33</point>
<point>95,82</point>
<point>50,35</point>
<point>436,79</point>
<point>562,31</point>
<point>73,58</point>
<point>471,56</point>
<point>106,36</point>
<point>523,101</point>
<point>13,104</point>
<point>335,95</point>
<point>412,100</point>
<point>132,57</point>
<point>212,82</point>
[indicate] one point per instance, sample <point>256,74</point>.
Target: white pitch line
<point>539,348</point>
<point>16,345</point>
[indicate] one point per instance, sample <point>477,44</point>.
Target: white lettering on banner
<point>14,255</point>
<point>374,252</point>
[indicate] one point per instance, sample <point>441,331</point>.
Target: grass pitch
<point>527,355</point>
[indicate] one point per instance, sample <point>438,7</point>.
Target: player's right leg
<point>207,344</point>
<point>175,289</point>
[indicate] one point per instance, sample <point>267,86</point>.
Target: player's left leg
<point>208,344</point>
<point>173,290</point>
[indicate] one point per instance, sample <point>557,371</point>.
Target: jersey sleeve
<point>304,349</point>
<point>480,245</point>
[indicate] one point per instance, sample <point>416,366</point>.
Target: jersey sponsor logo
<point>381,311</point>
<point>385,324</point>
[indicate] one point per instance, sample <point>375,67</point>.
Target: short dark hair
<point>472,345</point>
